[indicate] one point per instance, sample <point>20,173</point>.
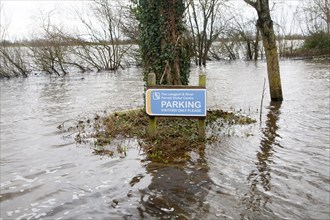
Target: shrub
<point>318,41</point>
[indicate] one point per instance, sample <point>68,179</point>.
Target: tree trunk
<point>249,50</point>
<point>256,45</point>
<point>269,42</point>
<point>265,25</point>
<point>173,36</point>
<point>327,15</point>
<point>162,43</point>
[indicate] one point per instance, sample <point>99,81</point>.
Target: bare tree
<point>265,25</point>
<point>285,29</point>
<point>317,15</point>
<point>50,52</point>
<point>104,50</point>
<point>13,61</point>
<point>128,23</point>
<point>204,19</point>
<point>226,48</point>
<point>248,34</point>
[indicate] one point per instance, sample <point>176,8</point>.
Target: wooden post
<point>201,122</point>
<point>152,120</point>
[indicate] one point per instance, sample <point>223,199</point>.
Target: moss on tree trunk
<point>273,68</point>
<point>265,25</point>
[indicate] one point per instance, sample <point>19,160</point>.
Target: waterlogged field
<point>276,168</point>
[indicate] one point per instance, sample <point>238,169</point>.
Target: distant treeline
<point>79,42</point>
<point>62,42</point>
<point>59,56</point>
<point>113,39</point>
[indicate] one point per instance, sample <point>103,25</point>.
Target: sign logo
<point>156,96</point>
<point>176,102</point>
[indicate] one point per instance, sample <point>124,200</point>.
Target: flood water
<point>277,168</point>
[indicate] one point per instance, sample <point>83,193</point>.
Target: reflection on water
<point>56,94</point>
<point>176,192</point>
<point>268,142</point>
<point>280,170</point>
<point>262,175</point>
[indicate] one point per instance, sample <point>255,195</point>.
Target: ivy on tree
<point>162,40</point>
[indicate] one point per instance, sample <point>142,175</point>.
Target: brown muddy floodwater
<point>277,168</point>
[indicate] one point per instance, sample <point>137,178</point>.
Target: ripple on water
<point>280,170</point>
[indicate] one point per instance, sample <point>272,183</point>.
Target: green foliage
<point>174,139</point>
<point>318,41</point>
<point>159,51</point>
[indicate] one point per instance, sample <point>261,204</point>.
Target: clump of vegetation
<point>174,140</point>
<point>318,41</point>
<point>12,62</point>
<point>315,45</point>
<point>230,117</point>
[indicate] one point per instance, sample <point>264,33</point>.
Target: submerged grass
<point>174,140</point>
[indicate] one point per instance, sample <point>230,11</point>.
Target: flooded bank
<point>277,168</point>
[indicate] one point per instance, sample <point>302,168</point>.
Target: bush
<point>318,41</point>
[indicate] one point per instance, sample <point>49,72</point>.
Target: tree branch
<point>252,3</point>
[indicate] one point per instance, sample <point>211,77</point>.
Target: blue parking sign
<point>176,102</point>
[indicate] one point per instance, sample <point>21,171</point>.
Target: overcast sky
<point>22,17</point>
